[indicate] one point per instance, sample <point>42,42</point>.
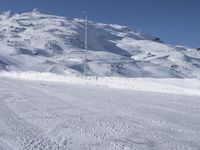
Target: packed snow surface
<point>44,115</point>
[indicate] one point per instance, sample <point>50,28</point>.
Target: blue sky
<point>176,21</point>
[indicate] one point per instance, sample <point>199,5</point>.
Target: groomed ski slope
<point>46,115</point>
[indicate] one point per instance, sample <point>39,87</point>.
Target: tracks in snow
<point>58,116</point>
<point>26,135</point>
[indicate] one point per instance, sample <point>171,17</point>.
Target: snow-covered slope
<point>171,86</point>
<point>58,116</point>
<point>36,41</point>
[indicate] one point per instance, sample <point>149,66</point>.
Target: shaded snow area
<point>35,41</point>
<point>41,115</point>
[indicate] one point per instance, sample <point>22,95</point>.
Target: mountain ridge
<point>36,41</point>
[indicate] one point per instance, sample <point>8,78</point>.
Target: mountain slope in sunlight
<point>35,41</point>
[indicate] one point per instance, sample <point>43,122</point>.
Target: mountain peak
<point>6,15</point>
<point>38,10</point>
<point>35,10</point>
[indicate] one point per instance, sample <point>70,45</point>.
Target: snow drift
<point>173,86</point>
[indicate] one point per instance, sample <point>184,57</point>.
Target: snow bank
<point>173,86</point>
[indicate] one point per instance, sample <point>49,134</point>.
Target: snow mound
<point>172,86</point>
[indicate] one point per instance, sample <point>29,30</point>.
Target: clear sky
<point>177,22</point>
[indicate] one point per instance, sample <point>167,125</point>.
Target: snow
<point>36,41</point>
<point>139,92</point>
<point>172,86</point>
<point>58,116</point>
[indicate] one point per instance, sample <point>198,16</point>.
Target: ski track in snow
<point>26,135</point>
<point>38,115</point>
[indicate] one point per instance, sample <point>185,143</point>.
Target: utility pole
<point>85,52</point>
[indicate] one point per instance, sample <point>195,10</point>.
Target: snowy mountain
<point>58,110</point>
<point>41,42</point>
